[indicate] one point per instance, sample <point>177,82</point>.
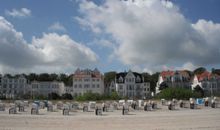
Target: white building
<point>45,88</point>
<point>131,85</point>
<point>173,79</point>
<point>13,86</point>
<point>87,81</point>
<point>209,82</point>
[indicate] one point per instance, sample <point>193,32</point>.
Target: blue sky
<point>110,48</point>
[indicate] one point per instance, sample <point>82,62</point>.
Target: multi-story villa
<point>173,79</point>
<point>87,81</point>
<point>209,82</point>
<point>131,85</point>
<point>13,87</point>
<point>39,88</point>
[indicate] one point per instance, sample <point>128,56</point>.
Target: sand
<point>160,119</point>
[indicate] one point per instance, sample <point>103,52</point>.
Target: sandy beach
<point>160,119</point>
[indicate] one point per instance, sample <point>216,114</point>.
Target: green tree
<point>67,96</point>
<point>153,81</point>
<point>147,77</point>
<point>198,91</point>
<point>109,76</point>
<point>177,93</point>
<point>53,96</point>
<point>199,70</point>
<point>32,76</point>
<point>114,96</point>
<point>216,71</point>
<point>53,77</point>
<point>44,77</point>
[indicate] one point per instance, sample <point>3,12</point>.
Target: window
<point>120,79</point>
<point>121,87</point>
<point>97,85</point>
<point>5,80</point>
<point>15,80</point>
<point>138,87</point>
<point>86,86</point>
<point>10,80</point>
<point>75,86</point>
<point>86,80</point>
<point>130,87</point>
<point>97,80</point>
<point>34,86</point>
<point>138,79</point>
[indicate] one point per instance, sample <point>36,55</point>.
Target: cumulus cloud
<point>57,27</point>
<point>153,33</point>
<point>23,12</point>
<point>49,53</point>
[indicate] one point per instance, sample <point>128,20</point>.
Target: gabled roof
<point>87,73</point>
<point>207,76</point>
<point>124,74</point>
<point>169,73</point>
<point>166,73</point>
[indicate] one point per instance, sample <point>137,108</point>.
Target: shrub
<point>67,96</point>
<point>178,93</point>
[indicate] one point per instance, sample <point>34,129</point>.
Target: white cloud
<point>187,66</point>
<point>50,53</point>
<point>23,12</point>
<point>102,43</point>
<point>57,27</point>
<point>153,33</point>
<point>85,25</point>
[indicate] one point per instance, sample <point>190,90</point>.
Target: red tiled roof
<point>207,75</point>
<point>172,73</point>
<point>167,73</point>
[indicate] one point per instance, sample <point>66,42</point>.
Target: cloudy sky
<point>146,35</point>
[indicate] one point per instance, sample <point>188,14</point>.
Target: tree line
<point>67,79</point>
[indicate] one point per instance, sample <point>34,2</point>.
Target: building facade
<point>39,88</point>
<point>87,81</point>
<point>13,87</point>
<point>210,83</point>
<point>168,78</point>
<point>131,85</point>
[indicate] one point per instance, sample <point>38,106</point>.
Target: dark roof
<point>123,75</point>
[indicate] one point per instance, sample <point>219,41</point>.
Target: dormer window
<point>138,79</point>
<point>120,79</point>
